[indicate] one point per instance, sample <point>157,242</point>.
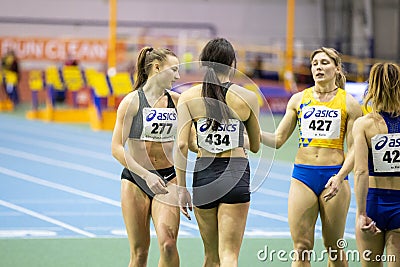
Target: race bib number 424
<point>320,122</point>
<point>386,152</point>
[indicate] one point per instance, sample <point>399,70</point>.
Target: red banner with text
<point>91,50</point>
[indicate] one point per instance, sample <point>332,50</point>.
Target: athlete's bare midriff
<point>237,152</point>
<point>152,155</point>
<point>319,156</point>
<point>385,182</point>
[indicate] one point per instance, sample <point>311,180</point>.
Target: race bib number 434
<point>386,152</point>
<point>320,122</point>
<point>226,137</point>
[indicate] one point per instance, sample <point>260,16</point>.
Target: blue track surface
<point>61,181</point>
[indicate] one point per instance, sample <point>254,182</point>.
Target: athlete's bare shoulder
<point>353,107</point>
<point>350,99</point>
<point>295,100</point>
<point>129,102</point>
<point>175,95</point>
<point>242,94</point>
<point>240,89</point>
<point>192,92</point>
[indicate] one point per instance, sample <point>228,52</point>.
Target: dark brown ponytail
<point>146,58</point>
<point>217,56</point>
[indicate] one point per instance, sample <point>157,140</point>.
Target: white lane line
<point>58,163</point>
<point>71,190</point>
<point>26,233</point>
<point>58,147</point>
<point>57,186</point>
<point>285,219</point>
<point>278,176</point>
<point>258,233</point>
<point>45,218</point>
<point>117,203</point>
<point>65,134</point>
<point>268,215</point>
<point>275,193</point>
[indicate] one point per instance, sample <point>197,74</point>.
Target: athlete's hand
<point>185,202</point>
<point>367,225</point>
<point>156,184</point>
<point>333,185</point>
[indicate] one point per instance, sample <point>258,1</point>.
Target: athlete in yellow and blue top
<point>325,114</point>
<point>322,124</point>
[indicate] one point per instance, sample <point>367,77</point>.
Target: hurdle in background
<point>90,96</point>
<point>108,92</point>
<point>62,86</point>
<point>9,80</point>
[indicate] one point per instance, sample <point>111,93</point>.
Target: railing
<point>93,52</point>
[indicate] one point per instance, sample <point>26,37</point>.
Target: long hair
<point>147,56</point>
<point>217,56</point>
<point>384,88</point>
<point>340,79</point>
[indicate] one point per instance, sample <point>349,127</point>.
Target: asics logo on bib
<point>392,142</point>
<point>161,116</point>
<point>221,127</point>
<point>325,113</point>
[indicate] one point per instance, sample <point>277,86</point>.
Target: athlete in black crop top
<point>142,142</point>
<point>221,190</point>
<point>137,123</point>
<point>228,135</point>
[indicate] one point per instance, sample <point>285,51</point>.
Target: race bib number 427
<point>320,122</point>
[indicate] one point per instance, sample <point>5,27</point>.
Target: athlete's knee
<point>168,247</point>
<point>303,250</point>
<point>211,260</point>
<point>333,244</point>
<point>229,259</point>
<point>139,256</point>
<point>211,257</point>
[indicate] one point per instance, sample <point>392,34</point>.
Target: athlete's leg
<point>333,218</point>
<point>166,216</point>
<point>393,248</point>
<point>136,212</point>
<point>302,215</point>
<point>369,246</point>
<point>231,225</point>
<point>208,226</point>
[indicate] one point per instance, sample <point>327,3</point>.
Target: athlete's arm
<point>252,123</point>
<point>193,137</point>
<point>285,127</point>
<point>181,153</point>
<point>354,112</point>
<point>121,130</point>
<point>125,113</point>
<point>193,140</point>
<point>361,177</point>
